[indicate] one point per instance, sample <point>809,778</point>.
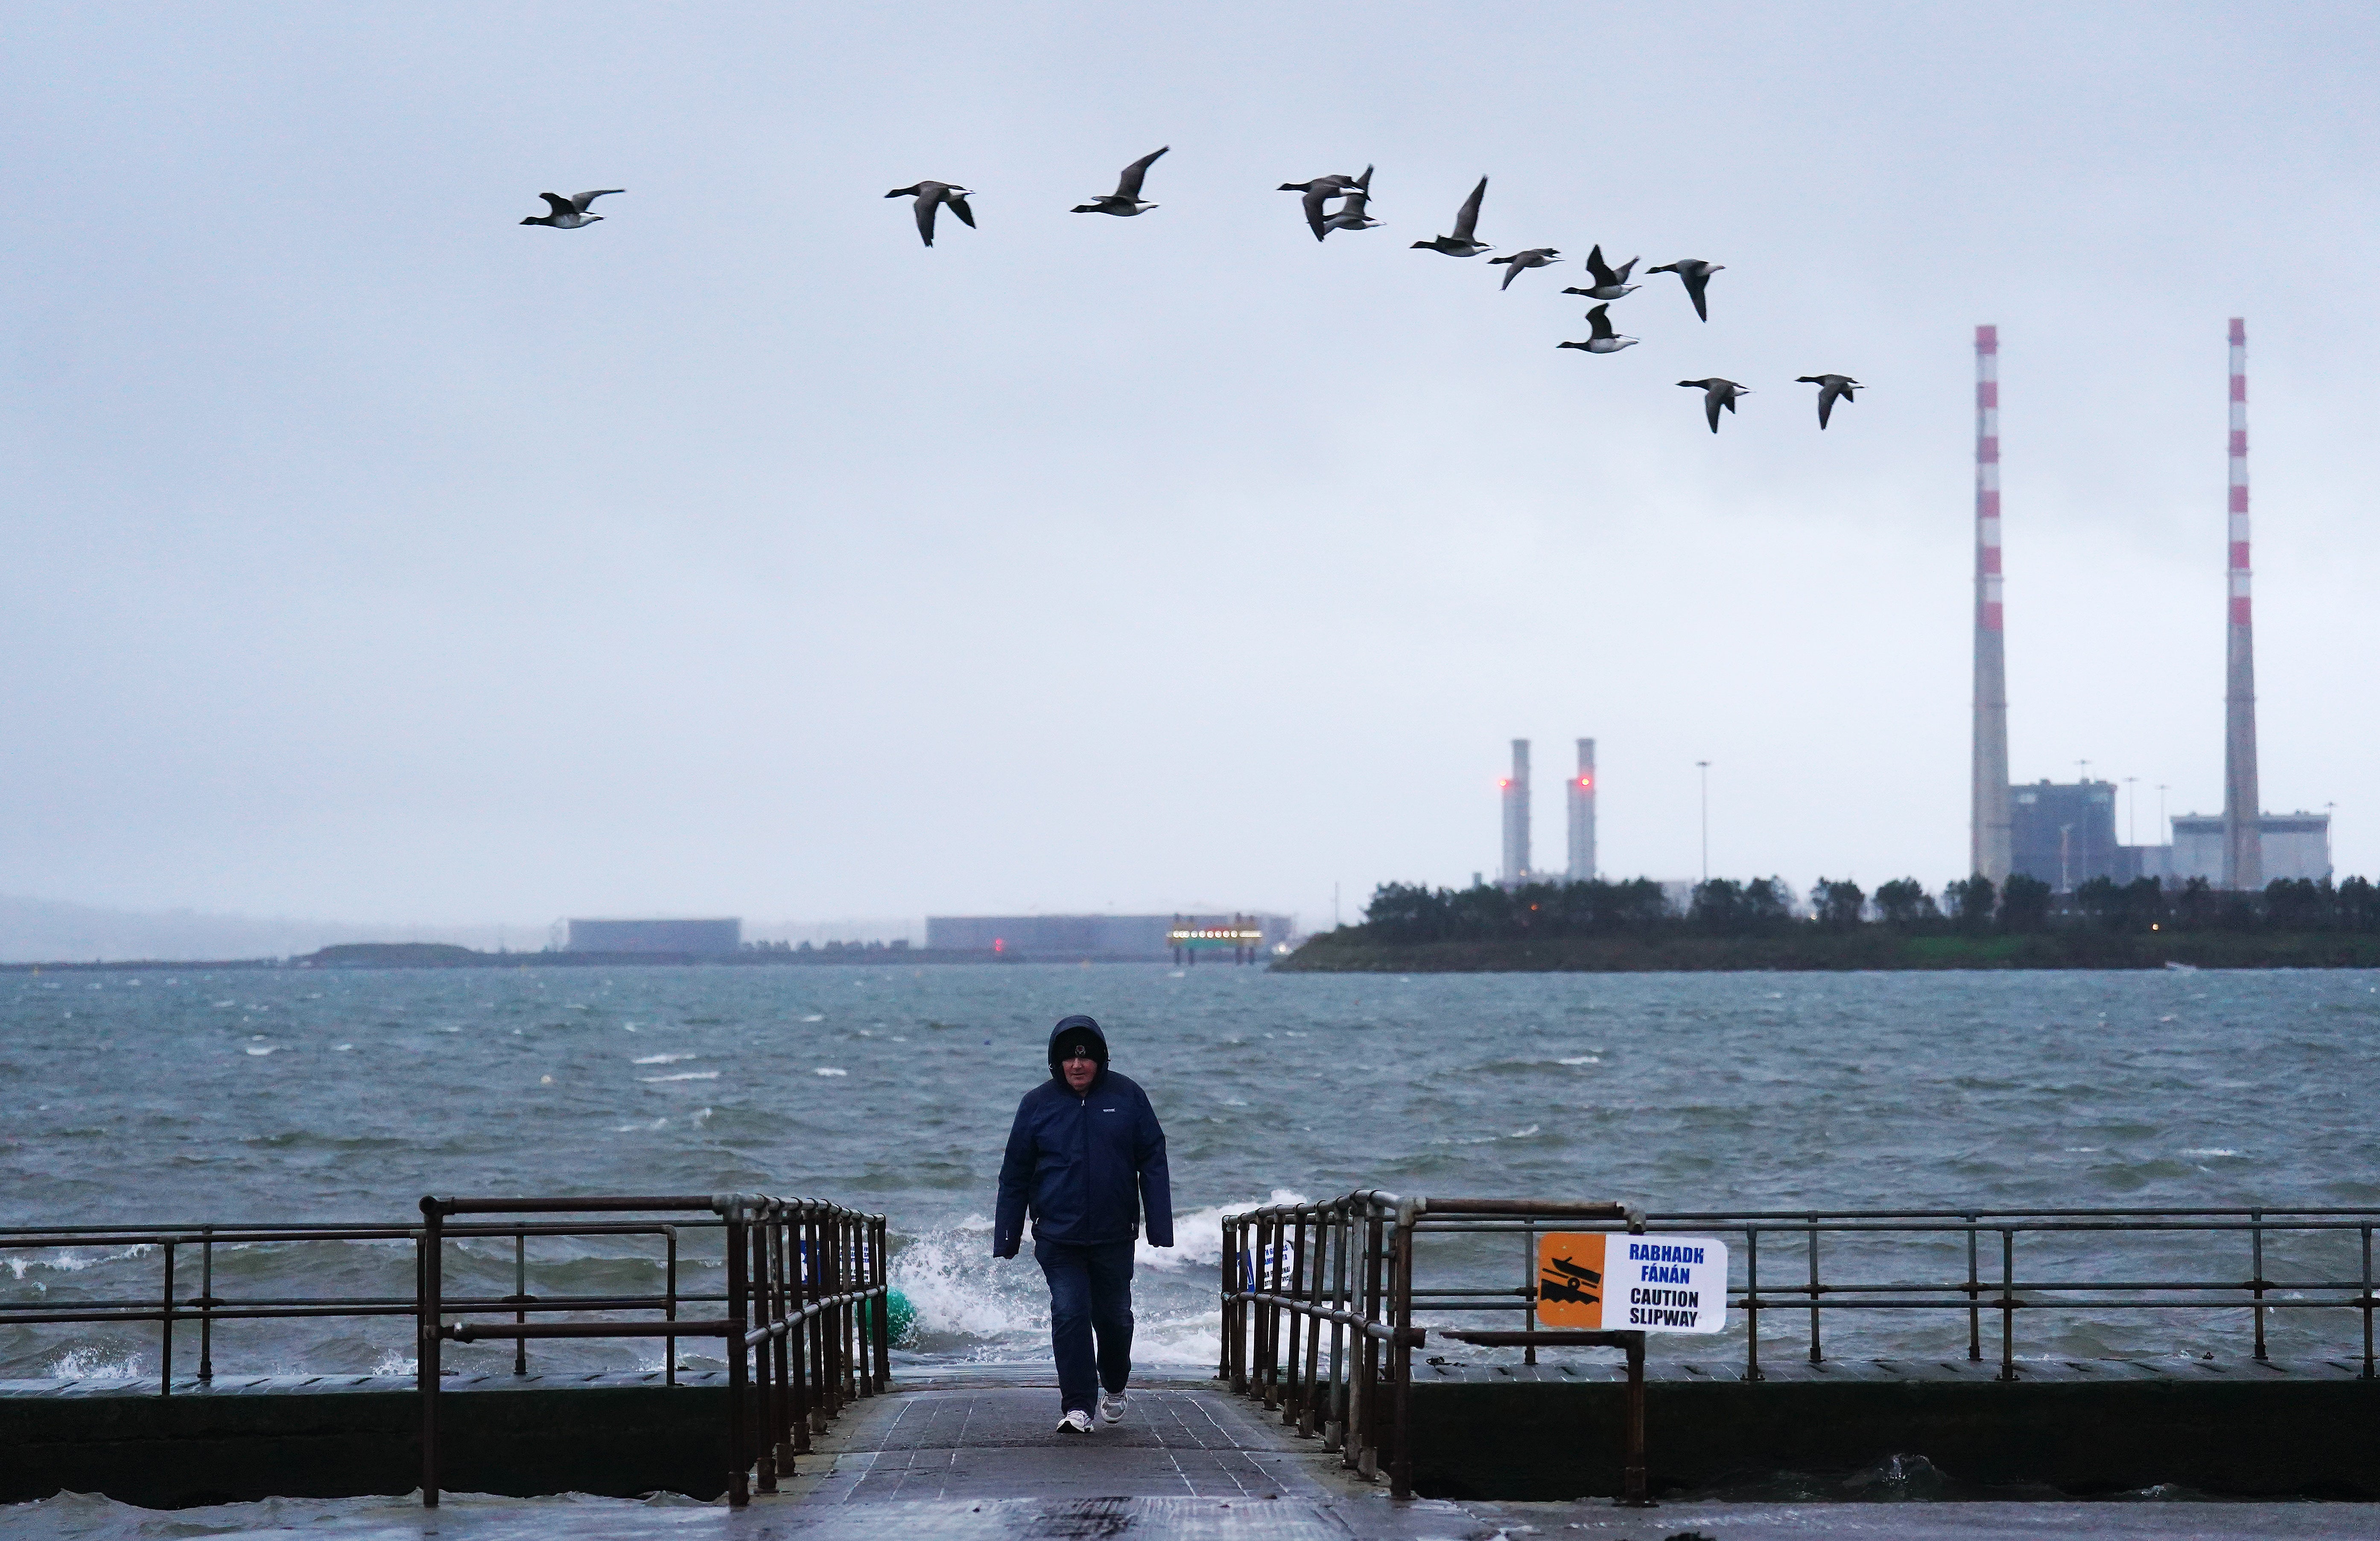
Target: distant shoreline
<point>1872,948</point>
<point>429,954</point>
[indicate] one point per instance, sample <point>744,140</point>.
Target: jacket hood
<point>1072,1027</point>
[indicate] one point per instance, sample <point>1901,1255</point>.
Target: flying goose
<point>1536,257</point>
<point>569,213</point>
<point>1602,339</point>
<point>931,194</point>
<point>1608,284</point>
<point>1695,274</point>
<point>1717,393</point>
<point>1320,190</point>
<point>1353,214</point>
<point>1124,202</point>
<point>1466,219</point>
<point>1832,389</point>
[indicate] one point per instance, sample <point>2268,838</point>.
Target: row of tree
<point>1402,913</point>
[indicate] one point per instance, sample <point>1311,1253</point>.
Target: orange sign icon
<point>1570,1279</point>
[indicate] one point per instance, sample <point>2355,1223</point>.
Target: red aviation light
<point>1504,781</point>
<point>999,945</point>
<point>1587,783</point>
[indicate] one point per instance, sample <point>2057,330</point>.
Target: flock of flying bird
<point>1353,196</point>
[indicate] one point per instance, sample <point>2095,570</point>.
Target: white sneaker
<point>1076,1422</point>
<point>1111,1408</point>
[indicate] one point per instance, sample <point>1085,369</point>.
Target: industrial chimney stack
<point>1516,814</point>
<point>1988,844</point>
<point>1581,815</point>
<point>2243,837</point>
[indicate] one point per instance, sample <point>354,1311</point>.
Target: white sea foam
<point>682,1076</point>
<point>660,1059</point>
<point>828,1070</point>
<point>2209,1150</point>
<point>957,1288</point>
<point>1581,1060</point>
<point>259,1052</point>
<point>91,1363</point>
<point>1198,1235</point>
<point>816,1018</point>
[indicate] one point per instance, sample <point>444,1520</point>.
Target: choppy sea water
<point>257,1097</point>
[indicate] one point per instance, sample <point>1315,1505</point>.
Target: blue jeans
<point>1090,1295</point>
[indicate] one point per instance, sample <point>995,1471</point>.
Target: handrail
<point>800,1272</point>
<point>801,1313</point>
<point>1345,1268</point>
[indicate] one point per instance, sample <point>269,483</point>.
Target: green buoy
<point>899,1315</point>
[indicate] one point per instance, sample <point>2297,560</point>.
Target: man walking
<point>1086,1157</point>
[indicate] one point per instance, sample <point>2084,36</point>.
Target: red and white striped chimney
<point>1990,852</point>
<point>2243,844</point>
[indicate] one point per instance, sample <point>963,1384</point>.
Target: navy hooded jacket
<point>1087,1167</point>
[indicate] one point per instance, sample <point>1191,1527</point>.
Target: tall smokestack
<point>1988,851</point>
<point>2243,836</point>
<point>1516,814</point>
<point>1581,815</point>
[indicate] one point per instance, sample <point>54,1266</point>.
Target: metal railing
<point>1344,1269</point>
<point>797,1271</point>
<point>799,1277</point>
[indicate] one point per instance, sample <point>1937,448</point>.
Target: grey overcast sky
<point>370,555</point>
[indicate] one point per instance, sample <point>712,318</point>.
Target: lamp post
<point>1703,766</point>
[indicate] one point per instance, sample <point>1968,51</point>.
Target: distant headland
<point>1631,927</point>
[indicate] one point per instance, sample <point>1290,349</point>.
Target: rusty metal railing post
<point>1367,1459</point>
<point>1293,1402</point>
<point>880,1279</point>
<point>669,1343</point>
<point>207,1302</point>
<point>1529,1305</point>
<point>1974,1299</point>
<point>430,1299</point>
<point>784,1313</point>
<point>1223,1301</point>
<point>1752,1370</point>
<point>1635,1485</point>
<point>1334,1421</point>
<point>1401,1351</point>
<point>165,1352</point>
<point>520,1299</point>
<point>821,1393</point>
<point>739,1491</point>
<point>1317,1409</point>
<point>1813,1290</point>
<point>2367,1303</point>
<point>1269,1314</point>
<point>799,1332</point>
<point>764,1447</point>
<point>2008,1303</point>
<point>2256,1262</point>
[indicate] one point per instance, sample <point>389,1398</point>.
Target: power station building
<point>2064,833</point>
<point>1100,937</point>
<point>699,937</point>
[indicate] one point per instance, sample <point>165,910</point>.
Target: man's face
<point>1080,1068</point>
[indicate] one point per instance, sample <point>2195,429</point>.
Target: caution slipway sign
<point>1631,1283</point>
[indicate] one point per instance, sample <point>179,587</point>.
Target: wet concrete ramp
<point>1000,1444</point>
